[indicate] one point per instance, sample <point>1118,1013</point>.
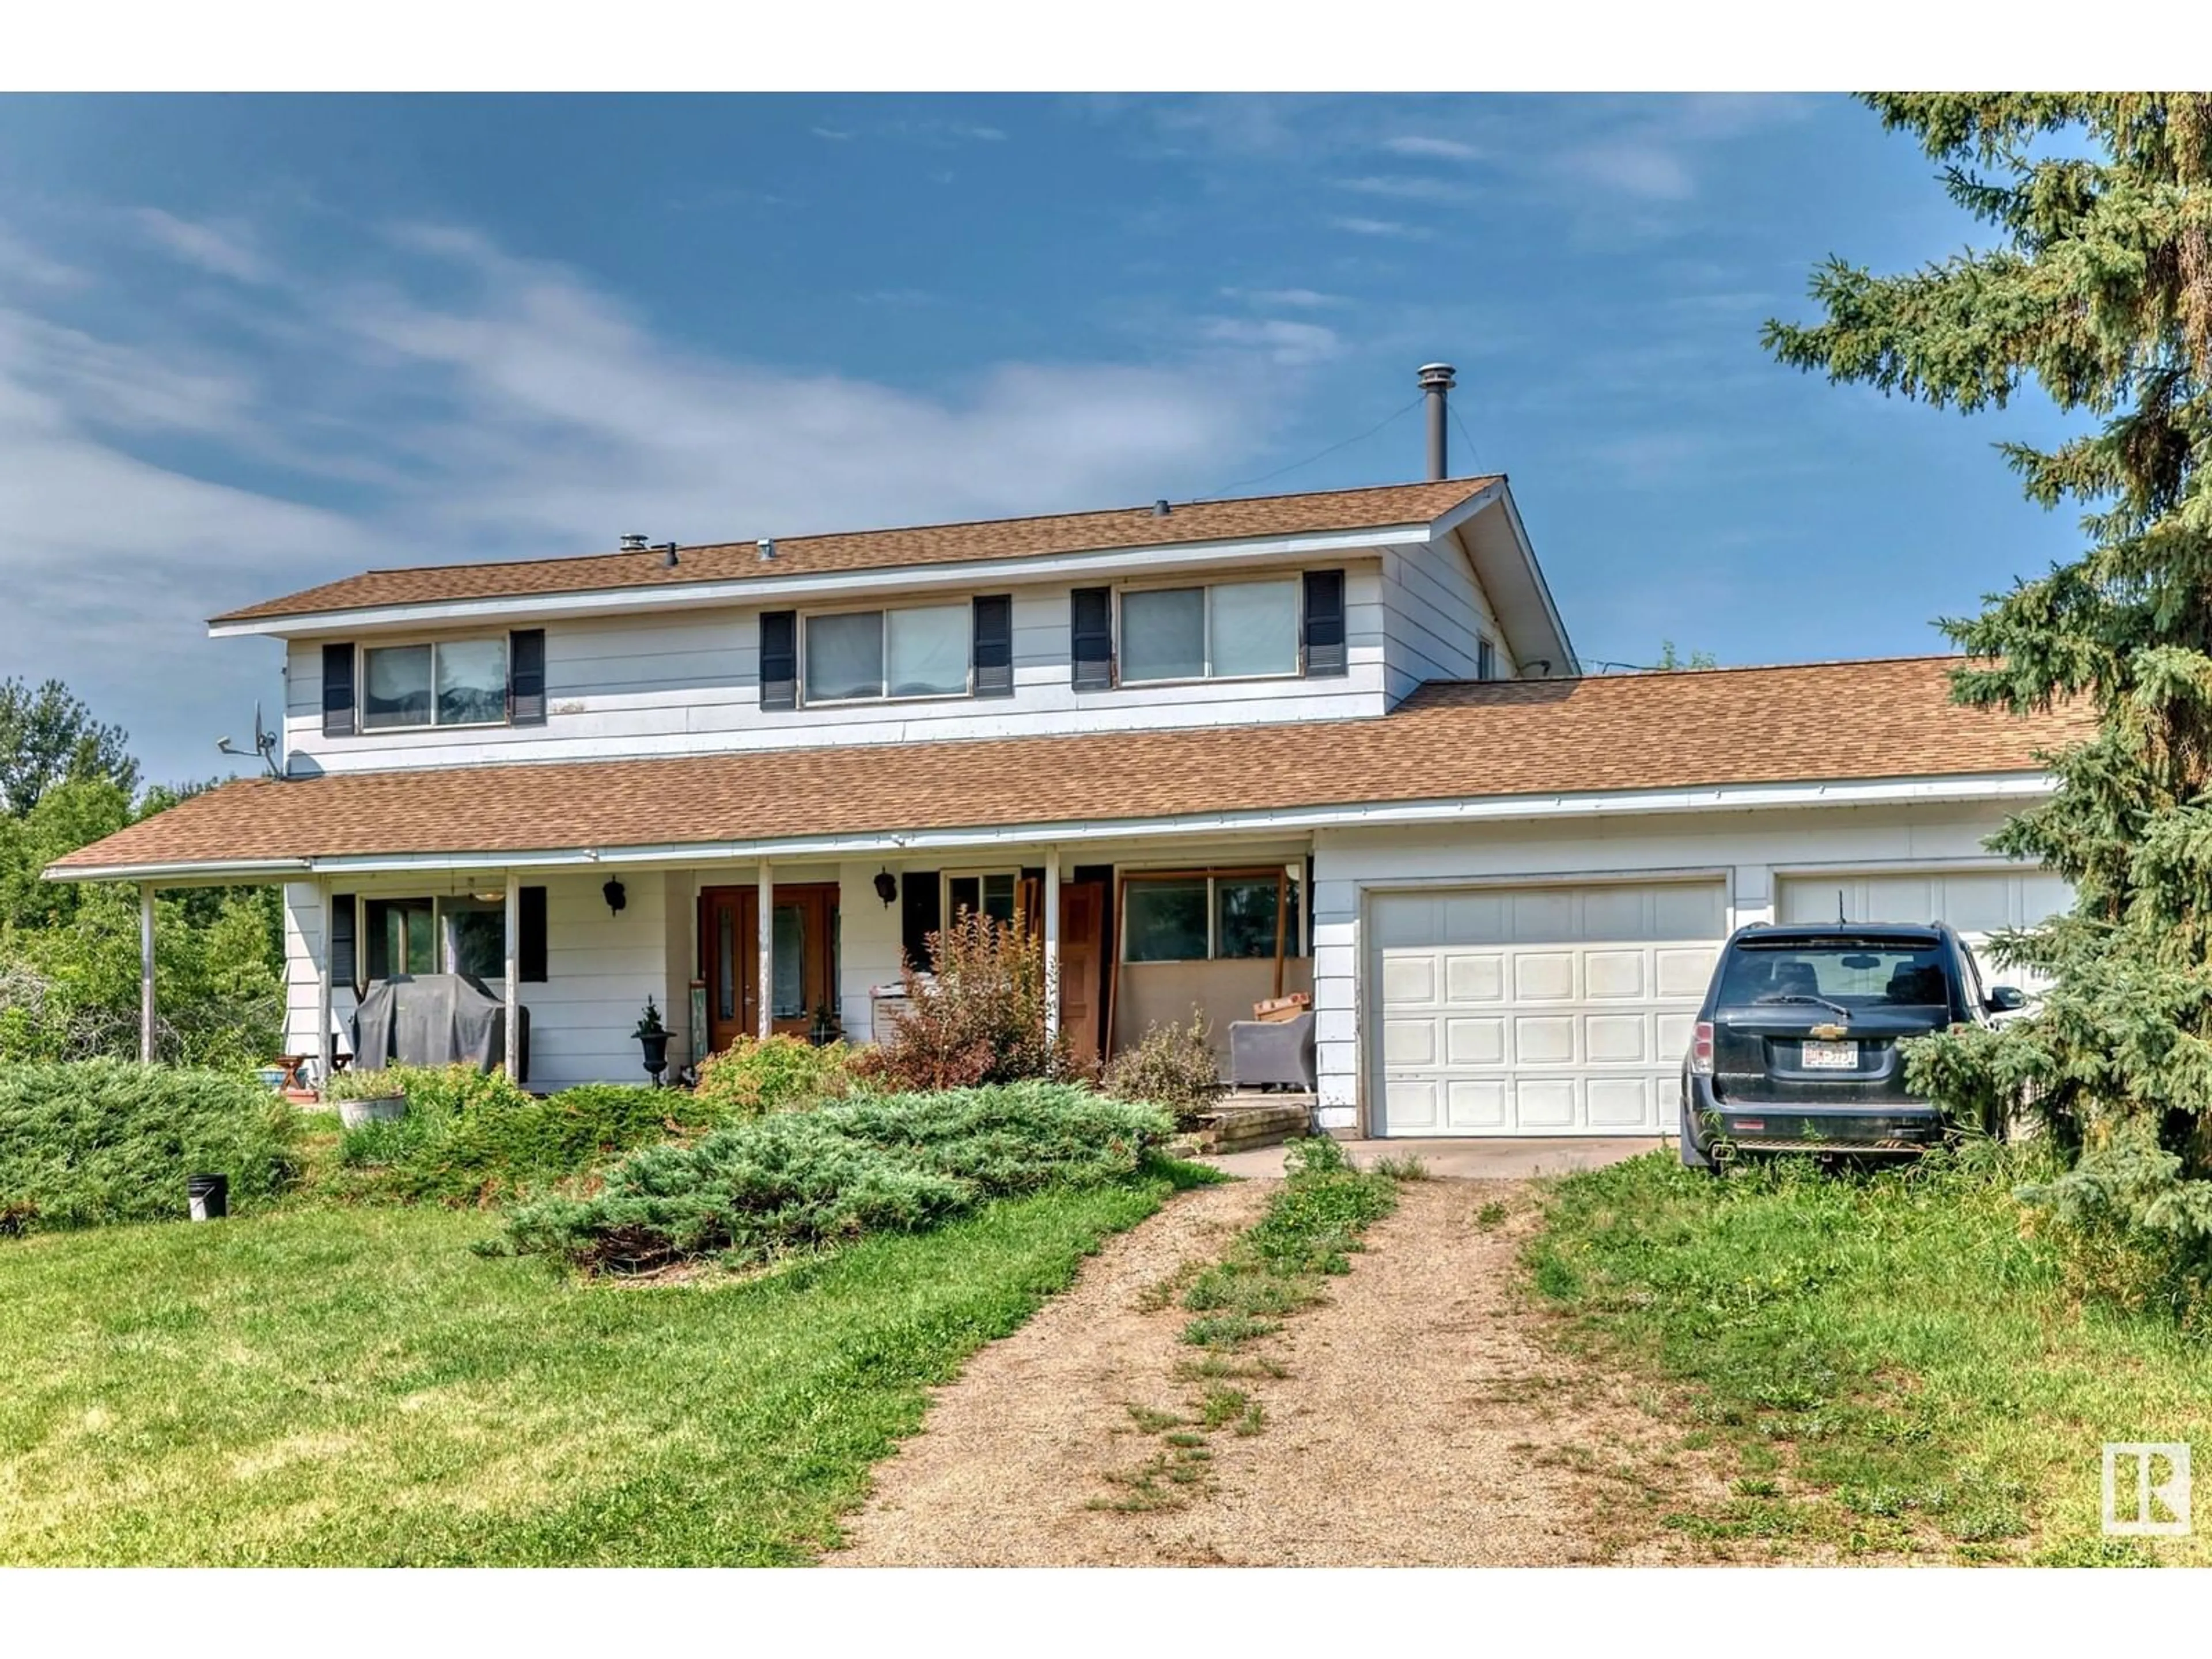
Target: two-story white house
<point>1335,742</point>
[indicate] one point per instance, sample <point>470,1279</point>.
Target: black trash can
<point>210,1195</point>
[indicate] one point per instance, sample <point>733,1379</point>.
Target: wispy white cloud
<point>834,134</point>
<point>1405,187</point>
<point>1298,299</point>
<point>1651,174</point>
<point>480,404</point>
<point>225,250</point>
<point>1441,150</point>
<point>1292,344</point>
<point>1363,227</point>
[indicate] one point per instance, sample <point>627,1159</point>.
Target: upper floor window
<point>1485,659</point>
<point>922,652</point>
<point>444,682</point>
<point>1229,630</point>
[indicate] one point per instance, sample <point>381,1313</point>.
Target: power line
<point>1244,483</point>
<point>1473,455</point>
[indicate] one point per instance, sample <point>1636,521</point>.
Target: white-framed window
<point>994,893</point>
<point>1223,916</point>
<point>861,656</point>
<point>1213,631</point>
<point>1485,657</point>
<point>434,683</point>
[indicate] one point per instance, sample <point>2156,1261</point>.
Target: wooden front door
<point>804,966</point>
<point>1083,964</point>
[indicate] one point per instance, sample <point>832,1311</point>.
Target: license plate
<point>1829,1056</point>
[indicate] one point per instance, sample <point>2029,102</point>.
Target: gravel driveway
<point>1421,1420</point>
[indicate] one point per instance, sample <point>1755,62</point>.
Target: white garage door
<point>1978,902</point>
<point>1539,1011</point>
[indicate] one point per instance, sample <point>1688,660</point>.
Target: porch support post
<point>324,1049</point>
<point>764,981</point>
<point>1051,943</point>
<point>513,1056</point>
<point>145,973</point>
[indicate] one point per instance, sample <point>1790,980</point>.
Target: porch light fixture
<point>886,887</point>
<point>615,898</point>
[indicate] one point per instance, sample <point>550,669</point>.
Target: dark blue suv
<point>1795,1047</point>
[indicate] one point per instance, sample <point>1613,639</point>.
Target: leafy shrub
<point>977,1018</point>
<point>756,1075</point>
<point>871,1163</point>
<point>91,1143</point>
<point>1173,1068</point>
<point>473,1137</point>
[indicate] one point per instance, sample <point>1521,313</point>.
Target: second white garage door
<point>1538,1011</point>
<point>1978,902</point>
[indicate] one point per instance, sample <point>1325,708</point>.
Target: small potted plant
<point>653,1037</point>
<point>364,1097</point>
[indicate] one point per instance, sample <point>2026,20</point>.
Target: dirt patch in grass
<point>1416,1417</point>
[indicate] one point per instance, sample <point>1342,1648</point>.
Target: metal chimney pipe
<point>1437,381</point>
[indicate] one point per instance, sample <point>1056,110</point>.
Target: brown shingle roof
<point>1818,722</point>
<point>874,549</point>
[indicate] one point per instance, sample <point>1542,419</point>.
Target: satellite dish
<point>264,744</point>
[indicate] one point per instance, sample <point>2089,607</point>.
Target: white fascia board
<point>1723,797</point>
<point>200,872</point>
<point>825,585</point>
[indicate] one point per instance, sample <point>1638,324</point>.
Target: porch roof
<point>1509,741</point>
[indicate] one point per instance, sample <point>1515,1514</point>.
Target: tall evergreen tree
<point>2098,289</point>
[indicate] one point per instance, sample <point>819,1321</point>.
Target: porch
<point>1135,936</point>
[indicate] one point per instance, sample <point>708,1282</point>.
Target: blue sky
<point>248,344</point>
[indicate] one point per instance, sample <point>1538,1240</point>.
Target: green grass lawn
<point>1889,1359</point>
<point>332,1385</point>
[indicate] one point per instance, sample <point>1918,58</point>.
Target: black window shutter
<point>995,645</point>
<point>530,948</point>
<point>338,690</point>
<point>1091,619</point>
<point>525,676</point>
<point>342,975</point>
<point>778,659</point>
<point>1325,652</point>
<point>920,914</point>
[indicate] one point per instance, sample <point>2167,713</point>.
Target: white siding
<point>599,969</point>
<point>1434,612</point>
<point>688,683</point>
<point>1743,850</point>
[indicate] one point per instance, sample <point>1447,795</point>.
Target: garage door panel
<point>1411,1103</point>
<point>1690,909</point>
<point>1475,1104</point>
<point>1561,1010</point>
<point>1684,971</point>
<point>1408,980</point>
<point>1616,973</point>
<point>1544,1103</point>
<point>1409,1041</point>
<point>1544,977</point>
<point>1544,1039</point>
<point>1476,918</point>
<point>1475,1041</point>
<point>1478,977</point>
<point>1618,1102</point>
<point>1542,915</point>
<point>1616,1039</point>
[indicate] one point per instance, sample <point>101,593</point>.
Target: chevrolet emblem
<point>1828,1032</point>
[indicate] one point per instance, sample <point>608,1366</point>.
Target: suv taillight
<point>1701,1048</point>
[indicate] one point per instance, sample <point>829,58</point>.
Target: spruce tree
<point>2097,286</point>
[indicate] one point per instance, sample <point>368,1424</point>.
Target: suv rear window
<point>1855,973</point>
